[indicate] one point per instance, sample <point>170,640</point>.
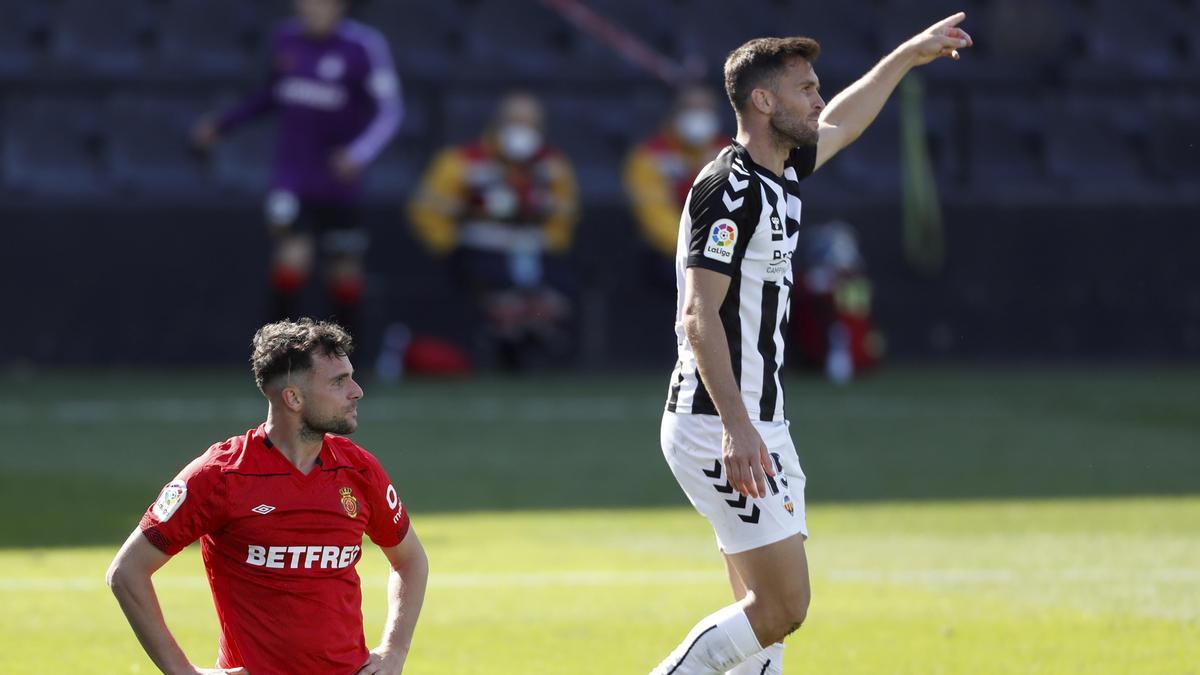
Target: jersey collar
<point>260,456</point>
<point>743,154</point>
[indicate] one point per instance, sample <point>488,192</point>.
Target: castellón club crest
<point>349,503</point>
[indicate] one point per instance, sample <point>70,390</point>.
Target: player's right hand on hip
<point>746,460</point>
<point>222,671</point>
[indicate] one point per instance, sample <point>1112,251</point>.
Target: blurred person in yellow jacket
<point>659,172</point>
<point>503,209</point>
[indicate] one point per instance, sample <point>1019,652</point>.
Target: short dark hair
<point>288,347</point>
<point>760,59</point>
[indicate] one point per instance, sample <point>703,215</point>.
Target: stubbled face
<point>331,396</point>
<point>320,17</point>
<point>797,103</point>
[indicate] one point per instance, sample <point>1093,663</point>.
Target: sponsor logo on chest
<point>302,557</point>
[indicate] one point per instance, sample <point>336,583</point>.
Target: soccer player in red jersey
<point>280,512</point>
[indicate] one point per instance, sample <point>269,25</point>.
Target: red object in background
<point>433,356</point>
<point>822,306</point>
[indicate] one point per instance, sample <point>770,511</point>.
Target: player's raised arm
<point>853,110</point>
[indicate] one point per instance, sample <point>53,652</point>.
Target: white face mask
<point>696,127</point>
<point>519,142</point>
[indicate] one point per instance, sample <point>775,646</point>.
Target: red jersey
<point>280,548</point>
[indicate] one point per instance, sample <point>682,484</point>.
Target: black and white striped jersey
<point>742,220</point>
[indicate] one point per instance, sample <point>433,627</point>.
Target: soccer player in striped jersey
<point>724,433</point>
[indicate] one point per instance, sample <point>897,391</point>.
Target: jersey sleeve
<point>804,160</point>
<point>721,223</point>
<point>187,508</point>
<point>383,86</point>
<point>389,519</point>
<point>257,103</point>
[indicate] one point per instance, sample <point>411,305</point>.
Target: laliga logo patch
<point>349,503</point>
<point>169,500</point>
<point>721,240</point>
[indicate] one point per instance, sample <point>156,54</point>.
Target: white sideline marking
<point>664,577</point>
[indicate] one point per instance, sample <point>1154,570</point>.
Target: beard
<point>341,425</point>
<point>793,130</point>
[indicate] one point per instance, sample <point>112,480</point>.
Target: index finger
<point>952,20</point>
<point>760,483</point>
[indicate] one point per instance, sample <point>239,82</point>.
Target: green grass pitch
<point>962,520</point>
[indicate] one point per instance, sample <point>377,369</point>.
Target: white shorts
<point>692,447</point>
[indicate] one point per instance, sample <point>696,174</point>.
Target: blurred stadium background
<point>1015,491</point>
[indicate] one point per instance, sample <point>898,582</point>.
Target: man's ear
<point>762,100</point>
<point>292,397</point>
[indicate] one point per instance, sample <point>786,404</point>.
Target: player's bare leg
<point>770,660</point>
<point>774,605</point>
<point>290,270</point>
<point>346,282</point>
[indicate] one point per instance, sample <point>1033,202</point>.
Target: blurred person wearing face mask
<point>503,210</point>
<point>659,172</point>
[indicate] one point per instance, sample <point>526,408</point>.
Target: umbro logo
<point>263,509</point>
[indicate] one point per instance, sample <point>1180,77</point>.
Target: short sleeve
<point>187,508</point>
<point>389,519</point>
<point>721,222</point>
<point>803,159</point>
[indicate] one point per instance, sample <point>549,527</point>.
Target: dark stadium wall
<point>165,285</point>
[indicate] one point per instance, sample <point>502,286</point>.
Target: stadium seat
<point>872,164</point>
<point>516,39</point>
<point>1175,143</point>
<point>210,38</point>
<point>426,38</point>
<point>1006,149</point>
<point>52,147</point>
<point>850,41</point>
<point>465,114</point>
<point>24,25</point>
<point>1129,40</point>
<point>241,162</point>
<point>1093,147</point>
<point>108,37</point>
<point>394,174</point>
<point>150,152</point>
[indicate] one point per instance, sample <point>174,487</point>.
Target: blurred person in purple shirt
<point>337,97</point>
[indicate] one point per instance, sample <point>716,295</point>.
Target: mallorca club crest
<point>349,503</point>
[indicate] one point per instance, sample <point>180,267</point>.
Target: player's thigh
<point>775,571</point>
<point>735,580</point>
<point>691,444</point>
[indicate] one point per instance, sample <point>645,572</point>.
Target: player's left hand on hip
<point>382,662</point>
<point>943,38</point>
